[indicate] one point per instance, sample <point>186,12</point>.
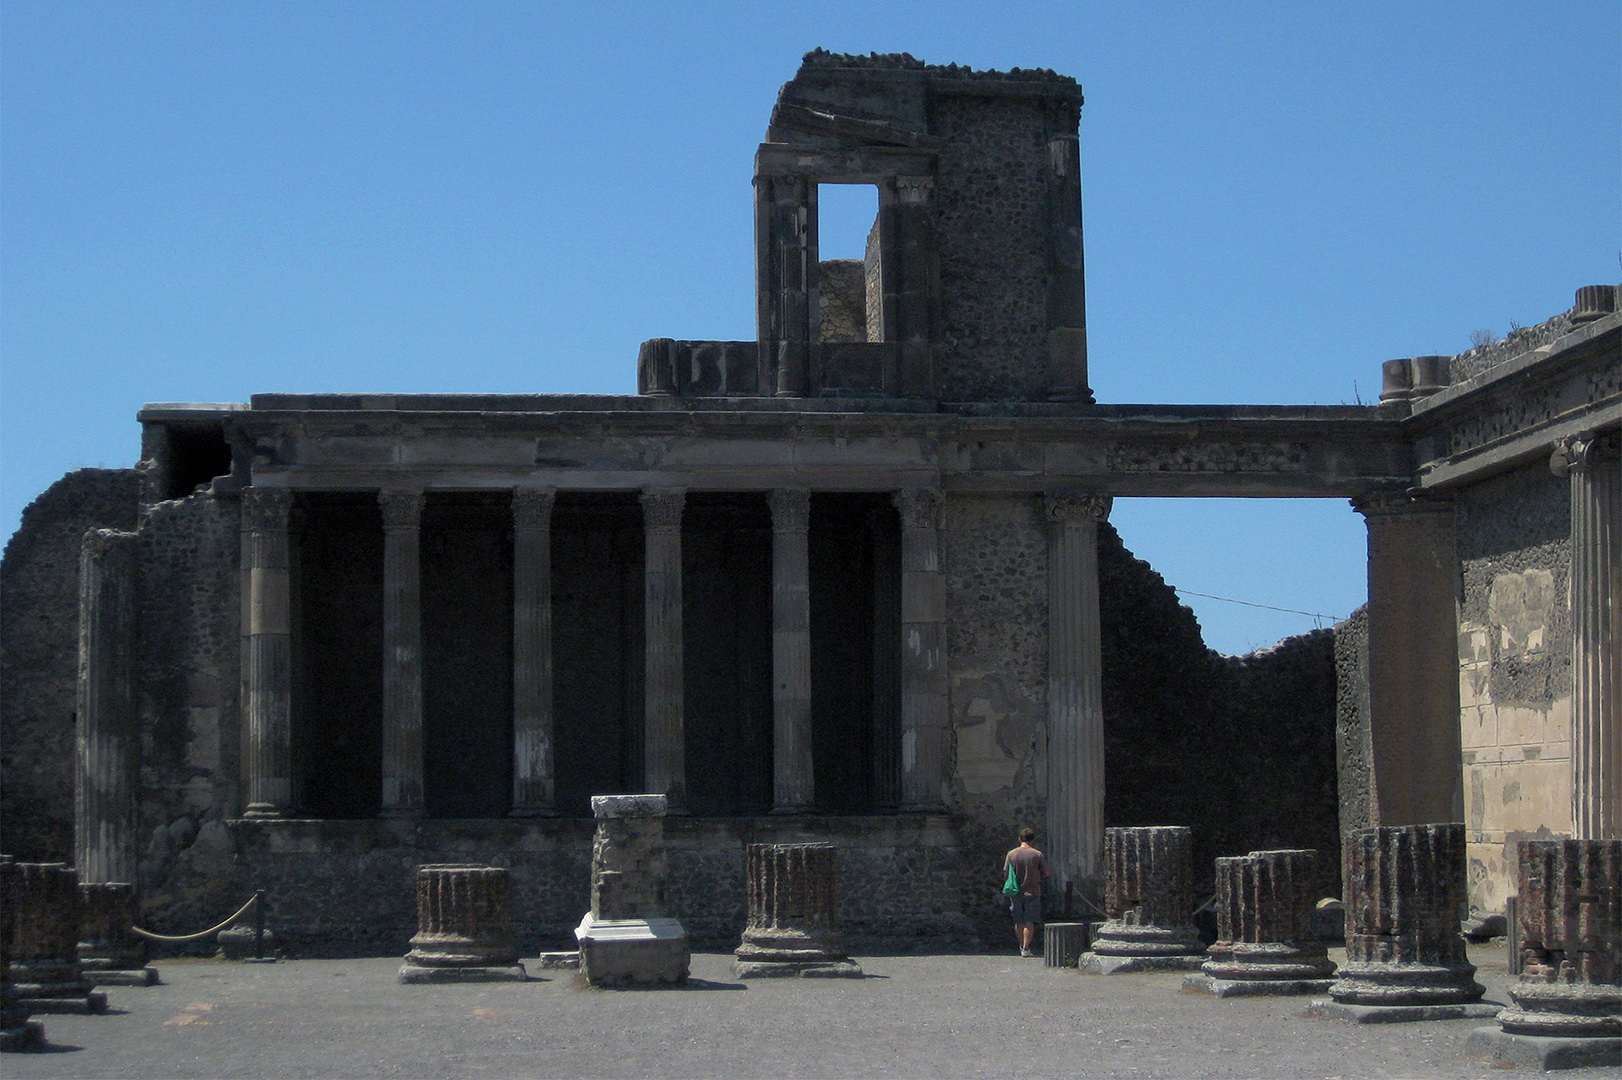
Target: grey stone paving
<point>968,1016</point>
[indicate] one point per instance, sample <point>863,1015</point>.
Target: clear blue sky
<point>200,201</point>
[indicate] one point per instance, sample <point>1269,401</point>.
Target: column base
<point>620,952</point>
<point>1226,988</point>
<point>1093,963</point>
<point>122,977</point>
<point>1506,1049</point>
<point>25,1036</point>
<point>416,974</point>
<point>1398,1014</point>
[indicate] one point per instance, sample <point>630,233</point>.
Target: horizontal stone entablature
<point>1514,412</point>
<point>852,444</point>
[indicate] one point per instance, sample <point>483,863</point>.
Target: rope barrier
<point>243,910</point>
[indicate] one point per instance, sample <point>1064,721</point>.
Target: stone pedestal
<point>464,927</point>
<point>626,937</point>
<point>1063,943</point>
<point>109,952</point>
<point>1265,945</point>
<point>45,967</point>
<point>793,906</point>
<point>1566,1009</point>
<point>1148,903</point>
<point>1405,957</point>
<point>17,1031</point>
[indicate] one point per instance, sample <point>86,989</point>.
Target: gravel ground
<point>924,1016</point>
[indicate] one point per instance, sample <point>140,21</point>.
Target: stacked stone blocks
<point>17,1031</point>
<point>1264,905</point>
<point>110,953</point>
<point>626,937</point>
<point>1148,903</point>
<point>464,926</point>
<point>793,906</point>
<point>45,965</point>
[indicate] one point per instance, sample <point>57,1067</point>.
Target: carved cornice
<point>791,509</point>
<point>920,507</point>
<point>532,508</point>
<point>1393,503</point>
<point>265,509</point>
<point>1076,507</point>
<point>661,509</point>
<point>401,509</point>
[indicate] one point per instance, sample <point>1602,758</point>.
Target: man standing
<point>1029,867</point>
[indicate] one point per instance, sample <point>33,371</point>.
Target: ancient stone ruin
<point>110,952</point>
<point>17,1031</point>
<point>45,969</point>
<point>1264,906</point>
<point>1566,1007</point>
<point>627,937</point>
<point>1148,903</point>
<point>793,914</point>
<point>464,927</point>
<point>1405,952</point>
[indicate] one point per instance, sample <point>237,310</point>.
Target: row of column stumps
<point>914,768</point>
<point>1565,1010</point>
<point>1265,945</point>
<point>464,926</point>
<point>793,914</point>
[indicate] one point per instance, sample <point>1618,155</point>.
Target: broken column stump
<point>1405,957</point>
<point>464,926</point>
<point>1063,943</point>
<point>17,1031</point>
<point>1566,1009</point>
<point>1148,903</point>
<point>793,906</point>
<point>110,953</point>
<point>1265,945</point>
<point>45,966</point>
<point>626,937</point>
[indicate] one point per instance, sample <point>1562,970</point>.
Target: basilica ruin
<point>849,583</point>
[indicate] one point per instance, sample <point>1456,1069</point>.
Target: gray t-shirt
<point>1030,867</point>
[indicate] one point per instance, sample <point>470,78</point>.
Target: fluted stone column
<point>1075,825</point>
<point>664,743</point>
<point>923,653</point>
<point>1566,1008</point>
<point>1594,465</point>
<point>910,276</point>
<point>45,949</point>
<point>785,275</point>
<point>107,739</point>
<point>793,911</point>
<point>1405,955</point>
<point>464,926</point>
<point>1415,762</point>
<point>1148,903</point>
<point>267,632</point>
<point>402,653</point>
<point>626,937</point>
<point>1264,941</point>
<point>792,776</point>
<point>17,1032</point>
<point>534,785</point>
<point>110,953</point>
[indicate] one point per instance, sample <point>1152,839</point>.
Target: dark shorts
<point>1025,908</point>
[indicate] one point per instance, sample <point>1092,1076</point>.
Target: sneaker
<point>1026,952</point>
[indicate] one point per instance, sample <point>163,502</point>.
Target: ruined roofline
<point>823,60</point>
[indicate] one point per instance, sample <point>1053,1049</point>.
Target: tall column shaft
<point>107,742</point>
<point>914,286</point>
<point>1075,825</point>
<point>1594,466</point>
<point>402,653</point>
<point>886,663</point>
<point>533,781</point>
<point>923,653</point>
<point>268,647</point>
<point>1067,312</point>
<point>664,745</point>
<point>792,776</point>
<point>1413,662</point>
